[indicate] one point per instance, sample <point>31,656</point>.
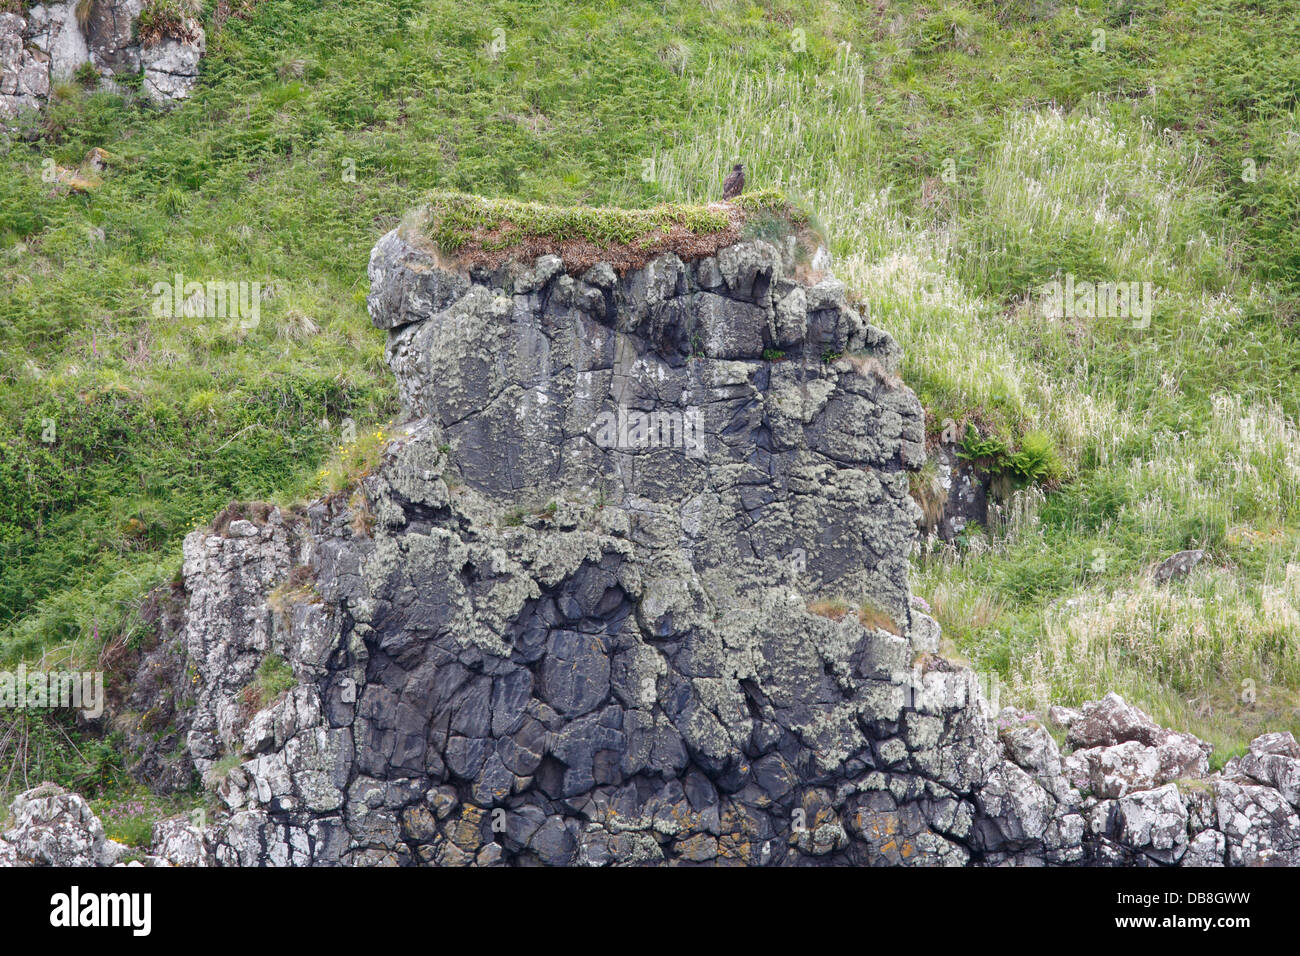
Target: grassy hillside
<point>958,154</point>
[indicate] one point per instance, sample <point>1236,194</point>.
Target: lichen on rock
<point>585,621</point>
<point>51,41</point>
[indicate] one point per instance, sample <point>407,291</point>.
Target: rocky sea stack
<point>629,586</point>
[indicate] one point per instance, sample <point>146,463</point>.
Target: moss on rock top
<point>477,230</point>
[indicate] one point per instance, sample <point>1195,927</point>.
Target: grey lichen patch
<point>801,401</point>
<point>416,473</point>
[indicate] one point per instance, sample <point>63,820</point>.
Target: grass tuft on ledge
<point>487,231</point>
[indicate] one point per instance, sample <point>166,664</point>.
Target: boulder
<point>1274,760</point>
<point>52,827</point>
<point>1154,823</point>
<point>1178,565</point>
<point>171,68</point>
<point>1259,826</point>
<point>180,843</point>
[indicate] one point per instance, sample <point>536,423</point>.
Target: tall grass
<point>1168,437</point>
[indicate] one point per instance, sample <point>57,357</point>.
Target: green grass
<point>129,814</point>
<point>452,219</point>
<point>959,159</point>
<point>274,677</point>
<point>955,155</point>
<point>39,745</point>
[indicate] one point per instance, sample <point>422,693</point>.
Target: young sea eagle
<point>734,184</point>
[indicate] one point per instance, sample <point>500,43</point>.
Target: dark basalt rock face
<point>700,399</point>
<point>562,640</point>
<point>539,633</point>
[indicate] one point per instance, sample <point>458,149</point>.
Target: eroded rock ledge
<point>523,641</point>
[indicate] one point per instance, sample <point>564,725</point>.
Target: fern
<point>1035,461</point>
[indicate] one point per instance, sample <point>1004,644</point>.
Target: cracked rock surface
<point>48,45</point>
<point>539,633</point>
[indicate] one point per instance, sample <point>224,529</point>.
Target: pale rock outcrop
<point>53,32</point>
<point>171,68</point>
<point>48,45</point>
<point>180,843</point>
<point>1119,749</point>
<point>24,70</point>
<point>1273,760</point>
<point>51,827</point>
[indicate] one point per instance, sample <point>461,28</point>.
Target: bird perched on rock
<point>734,184</point>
